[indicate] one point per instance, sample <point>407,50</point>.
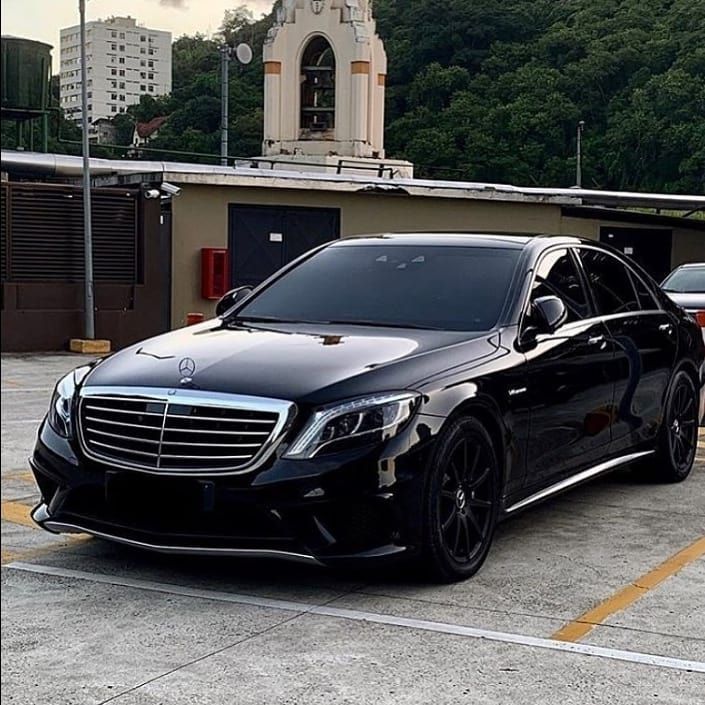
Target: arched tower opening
<point>317,120</point>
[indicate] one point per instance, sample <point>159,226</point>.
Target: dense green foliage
<point>492,90</point>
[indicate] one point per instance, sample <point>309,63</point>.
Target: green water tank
<point>26,75</point>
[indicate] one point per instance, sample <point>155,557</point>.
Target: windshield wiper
<point>269,319</point>
<point>381,324</point>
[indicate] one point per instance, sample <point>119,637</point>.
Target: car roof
<point>516,241</point>
<point>690,265</point>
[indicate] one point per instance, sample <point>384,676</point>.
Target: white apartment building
<point>124,61</point>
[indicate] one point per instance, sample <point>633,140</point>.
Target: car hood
<point>302,362</point>
<point>690,302</point>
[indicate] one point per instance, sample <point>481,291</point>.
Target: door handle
<point>596,340</point>
<point>666,328</point>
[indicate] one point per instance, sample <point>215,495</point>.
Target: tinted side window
<point>647,301</point>
<point>610,282</point>
<point>557,275</point>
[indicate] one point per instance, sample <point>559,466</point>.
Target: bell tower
<point>324,82</point>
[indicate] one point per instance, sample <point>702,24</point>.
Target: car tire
<point>678,438</point>
<point>461,502</point>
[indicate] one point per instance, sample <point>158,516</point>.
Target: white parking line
<point>25,390</point>
<point>16,421</point>
<point>360,616</point>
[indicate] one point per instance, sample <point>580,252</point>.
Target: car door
<point>645,341</point>
<point>569,386</point>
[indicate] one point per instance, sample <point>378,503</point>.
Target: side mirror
<point>549,314</point>
<point>234,296</point>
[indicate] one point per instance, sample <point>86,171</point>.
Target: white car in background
<point>686,286</point>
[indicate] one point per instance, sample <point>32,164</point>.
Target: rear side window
<point>611,283</point>
<point>557,275</point>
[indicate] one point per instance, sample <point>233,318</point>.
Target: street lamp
<point>89,294</point>
<point>579,159</point>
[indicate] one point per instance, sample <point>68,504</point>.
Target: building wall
<point>124,61</point>
<point>688,245</point>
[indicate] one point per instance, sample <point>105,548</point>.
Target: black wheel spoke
<point>448,494</point>
<point>478,482</point>
<point>466,532</point>
<point>456,473</point>
<point>479,503</point>
<point>475,525</point>
<point>449,521</point>
<point>456,543</point>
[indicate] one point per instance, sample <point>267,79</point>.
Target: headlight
<point>355,422</point>
<point>59,415</point>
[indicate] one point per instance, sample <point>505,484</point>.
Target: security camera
<point>170,188</point>
<point>153,193</point>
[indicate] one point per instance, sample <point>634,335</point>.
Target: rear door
<point>645,340</point>
<point>569,388</point>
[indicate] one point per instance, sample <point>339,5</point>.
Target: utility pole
<point>579,159</point>
<point>89,295</point>
<point>243,53</point>
<point>224,99</point>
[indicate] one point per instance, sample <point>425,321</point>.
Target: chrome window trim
<point>285,410</point>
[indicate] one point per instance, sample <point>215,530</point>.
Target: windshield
<point>409,286</point>
<point>687,280</point>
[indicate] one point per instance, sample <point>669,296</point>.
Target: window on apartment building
<point>122,72</point>
<point>143,38</point>
<point>151,89</point>
<point>113,35</point>
<point>151,64</point>
<point>90,106</point>
<point>113,72</point>
<point>151,76</point>
<point>122,98</point>
<point>113,47</point>
<point>152,51</point>
<point>143,62</point>
<point>143,88</point>
<point>122,110</point>
<point>89,94</point>
<point>113,96</point>
<point>113,109</point>
<point>143,74</point>
<point>121,60</point>
<point>122,47</point>
<point>122,84</point>
<point>122,35</point>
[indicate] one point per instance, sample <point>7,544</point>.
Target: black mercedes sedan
<point>381,397</point>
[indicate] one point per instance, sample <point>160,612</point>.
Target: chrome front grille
<point>179,431</point>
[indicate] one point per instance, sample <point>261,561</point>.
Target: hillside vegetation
<point>492,90</point>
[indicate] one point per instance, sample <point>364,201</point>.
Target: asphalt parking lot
<point>595,597</point>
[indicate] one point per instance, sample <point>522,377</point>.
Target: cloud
<point>180,4</point>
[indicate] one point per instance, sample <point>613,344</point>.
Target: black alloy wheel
<point>462,501</point>
<point>679,434</point>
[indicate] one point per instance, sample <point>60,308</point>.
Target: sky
<point>42,19</point>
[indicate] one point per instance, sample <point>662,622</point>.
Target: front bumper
<point>365,504</point>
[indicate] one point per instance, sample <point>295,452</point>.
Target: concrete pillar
<point>359,101</point>
<point>272,104</point>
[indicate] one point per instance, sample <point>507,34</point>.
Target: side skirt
<point>574,480</point>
